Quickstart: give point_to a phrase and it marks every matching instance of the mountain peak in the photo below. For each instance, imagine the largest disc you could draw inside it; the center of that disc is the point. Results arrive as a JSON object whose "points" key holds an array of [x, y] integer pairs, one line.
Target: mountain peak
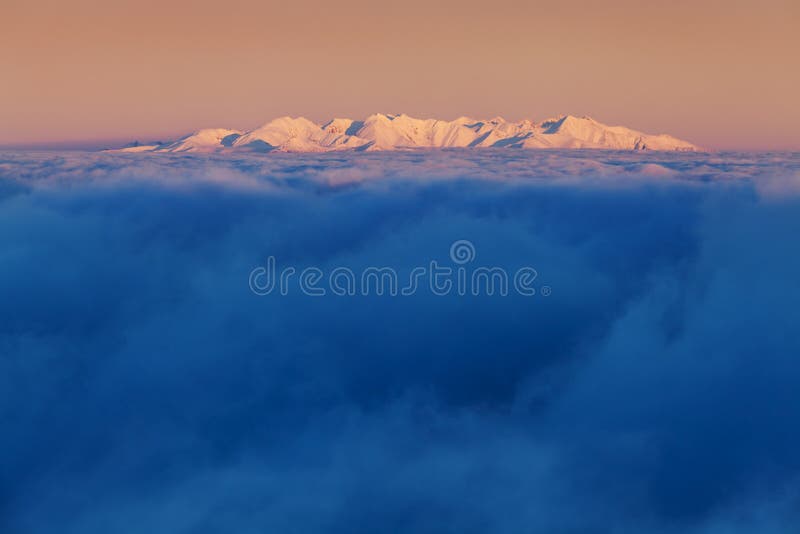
{"points": [[383, 131], [289, 121]]}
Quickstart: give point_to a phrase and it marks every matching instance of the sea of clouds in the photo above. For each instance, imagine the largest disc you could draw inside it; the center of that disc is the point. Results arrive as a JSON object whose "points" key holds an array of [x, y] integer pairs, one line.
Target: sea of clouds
{"points": [[145, 388]]}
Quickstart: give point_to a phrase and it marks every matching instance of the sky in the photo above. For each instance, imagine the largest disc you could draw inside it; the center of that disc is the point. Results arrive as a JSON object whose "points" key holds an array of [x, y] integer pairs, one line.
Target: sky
{"points": [[721, 74]]}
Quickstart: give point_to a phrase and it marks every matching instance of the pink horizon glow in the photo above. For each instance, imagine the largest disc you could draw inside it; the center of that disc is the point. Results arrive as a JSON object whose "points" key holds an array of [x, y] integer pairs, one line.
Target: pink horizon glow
{"points": [[720, 74]]}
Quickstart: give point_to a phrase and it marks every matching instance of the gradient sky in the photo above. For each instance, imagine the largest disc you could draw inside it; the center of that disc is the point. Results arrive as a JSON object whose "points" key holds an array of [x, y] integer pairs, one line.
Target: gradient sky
{"points": [[723, 74]]}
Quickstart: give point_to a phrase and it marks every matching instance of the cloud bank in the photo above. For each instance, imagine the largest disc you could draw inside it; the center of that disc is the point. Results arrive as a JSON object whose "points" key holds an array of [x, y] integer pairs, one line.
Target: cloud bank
{"points": [[144, 387]]}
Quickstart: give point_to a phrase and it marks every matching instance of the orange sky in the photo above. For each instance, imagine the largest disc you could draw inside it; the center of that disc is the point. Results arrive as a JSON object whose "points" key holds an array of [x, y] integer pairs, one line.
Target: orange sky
{"points": [[723, 74]]}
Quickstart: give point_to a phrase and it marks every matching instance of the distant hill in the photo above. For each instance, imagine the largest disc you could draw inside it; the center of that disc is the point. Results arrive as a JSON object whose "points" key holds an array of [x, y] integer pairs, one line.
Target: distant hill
{"points": [[398, 132]]}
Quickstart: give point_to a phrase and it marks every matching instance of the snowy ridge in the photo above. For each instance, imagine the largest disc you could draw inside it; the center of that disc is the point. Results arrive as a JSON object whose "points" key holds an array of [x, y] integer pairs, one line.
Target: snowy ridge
{"points": [[398, 132]]}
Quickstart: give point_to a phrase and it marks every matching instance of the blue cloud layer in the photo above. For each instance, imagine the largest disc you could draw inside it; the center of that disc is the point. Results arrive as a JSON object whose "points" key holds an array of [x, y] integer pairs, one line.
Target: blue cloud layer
{"points": [[143, 387]]}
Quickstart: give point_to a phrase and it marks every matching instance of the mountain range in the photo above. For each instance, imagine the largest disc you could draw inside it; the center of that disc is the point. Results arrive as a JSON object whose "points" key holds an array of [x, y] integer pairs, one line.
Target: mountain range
{"points": [[401, 132]]}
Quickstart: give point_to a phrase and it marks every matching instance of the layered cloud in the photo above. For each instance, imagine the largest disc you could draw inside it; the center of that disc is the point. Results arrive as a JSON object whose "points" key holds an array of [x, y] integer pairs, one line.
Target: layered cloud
{"points": [[144, 387]]}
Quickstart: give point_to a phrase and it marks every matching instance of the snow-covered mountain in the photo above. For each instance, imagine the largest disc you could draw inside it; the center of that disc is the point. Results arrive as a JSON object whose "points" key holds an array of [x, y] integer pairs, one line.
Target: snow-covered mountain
{"points": [[396, 132]]}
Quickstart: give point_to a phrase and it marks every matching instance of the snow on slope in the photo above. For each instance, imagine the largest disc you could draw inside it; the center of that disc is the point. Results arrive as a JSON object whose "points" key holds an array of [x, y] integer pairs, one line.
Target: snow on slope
{"points": [[394, 132], [203, 140]]}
